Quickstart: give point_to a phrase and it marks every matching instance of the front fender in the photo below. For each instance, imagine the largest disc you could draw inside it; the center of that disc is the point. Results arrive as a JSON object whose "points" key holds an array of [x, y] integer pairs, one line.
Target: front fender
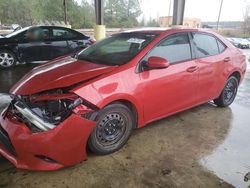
{"points": [[103, 95]]}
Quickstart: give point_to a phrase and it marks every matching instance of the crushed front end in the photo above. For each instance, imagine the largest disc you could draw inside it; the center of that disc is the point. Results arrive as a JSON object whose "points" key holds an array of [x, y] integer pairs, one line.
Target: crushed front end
{"points": [[46, 131]]}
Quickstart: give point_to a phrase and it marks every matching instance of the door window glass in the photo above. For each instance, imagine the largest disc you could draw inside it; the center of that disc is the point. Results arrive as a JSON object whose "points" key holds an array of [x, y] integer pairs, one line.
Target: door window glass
{"points": [[174, 48], [206, 45], [59, 33], [221, 46], [37, 34]]}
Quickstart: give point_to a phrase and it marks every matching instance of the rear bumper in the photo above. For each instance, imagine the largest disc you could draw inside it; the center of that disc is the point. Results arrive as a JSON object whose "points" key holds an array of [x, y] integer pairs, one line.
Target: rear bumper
{"points": [[60, 147]]}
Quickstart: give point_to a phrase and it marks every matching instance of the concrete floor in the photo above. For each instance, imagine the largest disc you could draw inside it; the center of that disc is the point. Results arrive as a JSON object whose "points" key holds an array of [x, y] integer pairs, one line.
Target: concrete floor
{"points": [[202, 147]]}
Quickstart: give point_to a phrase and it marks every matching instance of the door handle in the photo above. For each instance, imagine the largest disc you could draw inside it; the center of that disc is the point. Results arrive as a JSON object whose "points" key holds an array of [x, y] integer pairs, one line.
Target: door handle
{"points": [[227, 59], [78, 42], [192, 69]]}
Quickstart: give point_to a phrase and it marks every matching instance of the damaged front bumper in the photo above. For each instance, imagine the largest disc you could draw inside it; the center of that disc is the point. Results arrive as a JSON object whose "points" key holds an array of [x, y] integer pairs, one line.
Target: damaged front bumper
{"points": [[62, 146]]}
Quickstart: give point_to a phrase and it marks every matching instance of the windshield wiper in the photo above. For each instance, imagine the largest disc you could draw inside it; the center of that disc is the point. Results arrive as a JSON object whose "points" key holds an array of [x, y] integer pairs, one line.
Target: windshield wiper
{"points": [[94, 60], [75, 55], [85, 58]]}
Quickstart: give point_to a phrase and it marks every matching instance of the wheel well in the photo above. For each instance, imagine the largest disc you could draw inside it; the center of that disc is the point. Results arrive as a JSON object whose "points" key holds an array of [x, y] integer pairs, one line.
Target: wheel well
{"points": [[8, 50], [131, 106], [237, 75]]}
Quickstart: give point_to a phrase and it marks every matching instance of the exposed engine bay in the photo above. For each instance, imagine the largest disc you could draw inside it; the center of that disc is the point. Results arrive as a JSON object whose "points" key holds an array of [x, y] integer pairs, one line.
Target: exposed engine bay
{"points": [[54, 111], [44, 111]]}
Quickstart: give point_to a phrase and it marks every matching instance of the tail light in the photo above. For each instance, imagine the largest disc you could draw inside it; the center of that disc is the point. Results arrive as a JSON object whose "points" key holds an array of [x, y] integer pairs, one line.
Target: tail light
{"points": [[92, 40]]}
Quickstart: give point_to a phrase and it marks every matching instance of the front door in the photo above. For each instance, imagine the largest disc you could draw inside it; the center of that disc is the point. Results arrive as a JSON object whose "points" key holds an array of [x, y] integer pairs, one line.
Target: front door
{"points": [[60, 44], [36, 45], [169, 90]]}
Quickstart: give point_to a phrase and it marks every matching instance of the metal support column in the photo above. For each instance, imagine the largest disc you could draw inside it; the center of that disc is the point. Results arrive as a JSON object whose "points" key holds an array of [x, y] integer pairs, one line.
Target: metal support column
{"points": [[65, 12], [100, 31], [178, 14], [218, 21]]}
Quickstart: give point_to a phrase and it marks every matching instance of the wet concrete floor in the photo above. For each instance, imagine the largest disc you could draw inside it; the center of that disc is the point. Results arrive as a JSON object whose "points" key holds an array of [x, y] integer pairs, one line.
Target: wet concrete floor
{"points": [[206, 146]]}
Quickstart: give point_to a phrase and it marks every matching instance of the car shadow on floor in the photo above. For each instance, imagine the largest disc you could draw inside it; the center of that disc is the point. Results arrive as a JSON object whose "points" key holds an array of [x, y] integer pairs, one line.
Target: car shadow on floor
{"points": [[8, 77]]}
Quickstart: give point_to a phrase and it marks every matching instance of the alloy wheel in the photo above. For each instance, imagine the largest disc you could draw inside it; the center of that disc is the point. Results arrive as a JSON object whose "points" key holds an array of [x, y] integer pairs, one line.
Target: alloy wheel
{"points": [[6, 59]]}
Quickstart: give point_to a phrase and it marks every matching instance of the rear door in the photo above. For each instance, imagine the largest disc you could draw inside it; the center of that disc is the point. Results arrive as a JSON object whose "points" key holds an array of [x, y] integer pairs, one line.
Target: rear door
{"points": [[211, 59], [169, 90], [59, 42], [67, 41], [76, 41]]}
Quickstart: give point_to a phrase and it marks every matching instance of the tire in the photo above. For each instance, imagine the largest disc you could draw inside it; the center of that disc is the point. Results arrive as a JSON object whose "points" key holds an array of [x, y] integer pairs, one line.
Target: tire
{"points": [[113, 129], [229, 92], [7, 59]]}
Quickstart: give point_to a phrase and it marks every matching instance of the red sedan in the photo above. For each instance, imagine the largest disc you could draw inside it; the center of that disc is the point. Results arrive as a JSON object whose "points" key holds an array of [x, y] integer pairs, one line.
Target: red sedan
{"points": [[97, 97]]}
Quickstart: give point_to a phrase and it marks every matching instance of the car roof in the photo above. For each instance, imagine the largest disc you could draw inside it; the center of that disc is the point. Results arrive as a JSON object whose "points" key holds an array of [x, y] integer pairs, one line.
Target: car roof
{"points": [[155, 30], [52, 26], [160, 30]]}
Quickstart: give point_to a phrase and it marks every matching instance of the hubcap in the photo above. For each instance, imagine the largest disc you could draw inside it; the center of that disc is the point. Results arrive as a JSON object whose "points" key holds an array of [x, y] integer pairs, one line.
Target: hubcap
{"points": [[110, 129], [6, 59], [230, 91]]}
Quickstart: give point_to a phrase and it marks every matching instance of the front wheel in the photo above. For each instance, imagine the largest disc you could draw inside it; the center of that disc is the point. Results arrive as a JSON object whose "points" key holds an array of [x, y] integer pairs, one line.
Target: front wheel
{"points": [[228, 94], [7, 59], [114, 126]]}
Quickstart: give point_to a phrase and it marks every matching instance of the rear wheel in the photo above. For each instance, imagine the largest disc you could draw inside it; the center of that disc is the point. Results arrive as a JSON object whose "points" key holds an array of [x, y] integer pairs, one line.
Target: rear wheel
{"points": [[229, 92], [7, 59], [114, 126]]}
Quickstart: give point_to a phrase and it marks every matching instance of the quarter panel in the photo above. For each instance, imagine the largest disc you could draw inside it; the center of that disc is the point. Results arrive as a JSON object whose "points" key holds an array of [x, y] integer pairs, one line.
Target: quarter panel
{"points": [[236, 64]]}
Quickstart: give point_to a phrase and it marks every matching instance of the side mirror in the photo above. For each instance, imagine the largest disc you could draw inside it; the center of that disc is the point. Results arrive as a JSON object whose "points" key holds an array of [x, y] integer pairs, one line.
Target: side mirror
{"points": [[155, 62]]}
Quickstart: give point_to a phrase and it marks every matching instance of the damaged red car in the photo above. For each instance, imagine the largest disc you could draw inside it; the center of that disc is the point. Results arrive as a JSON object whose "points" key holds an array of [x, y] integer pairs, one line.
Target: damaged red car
{"points": [[96, 98]]}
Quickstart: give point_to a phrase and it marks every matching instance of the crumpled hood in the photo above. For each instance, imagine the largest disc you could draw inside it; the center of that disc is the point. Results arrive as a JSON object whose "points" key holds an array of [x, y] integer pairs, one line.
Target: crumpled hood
{"points": [[61, 72]]}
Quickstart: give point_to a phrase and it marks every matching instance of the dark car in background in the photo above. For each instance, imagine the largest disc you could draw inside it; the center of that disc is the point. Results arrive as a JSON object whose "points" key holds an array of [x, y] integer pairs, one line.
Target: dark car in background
{"points": [[40, 43]]}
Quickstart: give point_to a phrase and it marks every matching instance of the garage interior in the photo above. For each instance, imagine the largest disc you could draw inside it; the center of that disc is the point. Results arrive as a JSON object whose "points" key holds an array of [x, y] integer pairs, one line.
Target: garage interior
{"points": [[202, 147]]}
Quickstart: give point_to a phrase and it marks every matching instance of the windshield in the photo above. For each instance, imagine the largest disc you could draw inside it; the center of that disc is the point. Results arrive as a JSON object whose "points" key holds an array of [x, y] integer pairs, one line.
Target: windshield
{"points": [[116, 50], [17, 32]]}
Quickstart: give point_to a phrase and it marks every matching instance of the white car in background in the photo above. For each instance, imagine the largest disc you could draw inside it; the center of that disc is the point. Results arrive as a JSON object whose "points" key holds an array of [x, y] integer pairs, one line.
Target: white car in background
{"points": [[240, 42]]}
